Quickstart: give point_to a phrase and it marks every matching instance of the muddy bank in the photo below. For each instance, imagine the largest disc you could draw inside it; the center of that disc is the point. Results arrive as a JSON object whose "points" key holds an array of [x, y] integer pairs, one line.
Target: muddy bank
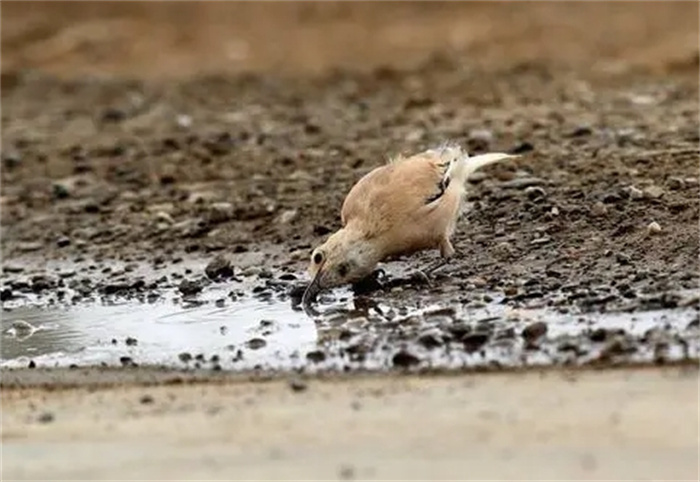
{"points": [[614, 425]]}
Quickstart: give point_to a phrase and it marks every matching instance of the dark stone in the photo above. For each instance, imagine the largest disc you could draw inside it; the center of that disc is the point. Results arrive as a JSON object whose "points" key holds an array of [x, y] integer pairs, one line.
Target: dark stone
{"points": [[405, 359], [219, 269]]}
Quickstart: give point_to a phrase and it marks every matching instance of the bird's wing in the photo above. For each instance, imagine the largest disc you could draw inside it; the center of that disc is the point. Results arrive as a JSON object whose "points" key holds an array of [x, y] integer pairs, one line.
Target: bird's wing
{"points": [[394, 193]]}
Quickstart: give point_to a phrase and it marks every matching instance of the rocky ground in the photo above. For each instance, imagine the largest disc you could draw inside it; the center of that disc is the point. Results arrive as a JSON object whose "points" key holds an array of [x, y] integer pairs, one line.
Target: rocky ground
{"points": [[122, 166]]}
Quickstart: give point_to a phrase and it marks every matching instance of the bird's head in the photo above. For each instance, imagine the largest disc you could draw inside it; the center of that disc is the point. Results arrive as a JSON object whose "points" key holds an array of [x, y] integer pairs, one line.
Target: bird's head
{"points": [[345, 257]]}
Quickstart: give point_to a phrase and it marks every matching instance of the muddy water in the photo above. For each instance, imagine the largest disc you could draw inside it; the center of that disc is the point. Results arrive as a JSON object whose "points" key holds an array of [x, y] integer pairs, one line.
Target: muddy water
{"points": [[400, 328]]}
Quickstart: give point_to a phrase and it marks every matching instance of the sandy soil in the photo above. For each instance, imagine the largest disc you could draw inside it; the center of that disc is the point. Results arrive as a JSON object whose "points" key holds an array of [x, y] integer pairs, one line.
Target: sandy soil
{"points": [[609, 425]]}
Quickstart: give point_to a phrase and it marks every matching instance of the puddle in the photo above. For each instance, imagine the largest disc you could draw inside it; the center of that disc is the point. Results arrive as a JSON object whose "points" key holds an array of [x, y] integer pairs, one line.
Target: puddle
{"points": [[156, 333], [245, 324], [248, 334]]}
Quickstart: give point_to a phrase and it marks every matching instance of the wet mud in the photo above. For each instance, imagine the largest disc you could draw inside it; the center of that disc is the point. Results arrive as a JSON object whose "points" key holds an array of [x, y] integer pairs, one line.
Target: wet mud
{"points": [[168, 221]]}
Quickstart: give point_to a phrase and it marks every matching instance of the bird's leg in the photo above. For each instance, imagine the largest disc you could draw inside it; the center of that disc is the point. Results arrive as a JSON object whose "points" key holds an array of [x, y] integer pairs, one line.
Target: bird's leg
{"points": [[446, 253]]}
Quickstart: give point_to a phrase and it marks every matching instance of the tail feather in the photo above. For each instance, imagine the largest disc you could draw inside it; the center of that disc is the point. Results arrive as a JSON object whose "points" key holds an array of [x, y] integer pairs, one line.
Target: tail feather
{"points": [[464, 166]]}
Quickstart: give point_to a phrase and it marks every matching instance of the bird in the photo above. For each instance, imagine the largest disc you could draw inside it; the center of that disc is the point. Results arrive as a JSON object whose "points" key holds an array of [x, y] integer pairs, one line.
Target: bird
{"points": [[407, 205]]}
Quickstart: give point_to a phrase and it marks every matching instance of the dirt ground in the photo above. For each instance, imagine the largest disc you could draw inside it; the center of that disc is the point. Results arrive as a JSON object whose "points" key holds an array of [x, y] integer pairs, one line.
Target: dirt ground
{"points": [[609, 425], [156, 133]]}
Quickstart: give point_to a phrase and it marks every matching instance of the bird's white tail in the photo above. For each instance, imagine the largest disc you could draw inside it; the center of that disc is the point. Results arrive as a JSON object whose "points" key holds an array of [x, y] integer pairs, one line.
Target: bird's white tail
{"points": [[463, 166]]}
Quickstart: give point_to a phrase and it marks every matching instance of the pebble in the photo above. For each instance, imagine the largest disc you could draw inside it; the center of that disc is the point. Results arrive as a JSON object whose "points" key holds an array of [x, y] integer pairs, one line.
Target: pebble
{"points": [[675, 183], [535, 192], [316, 356], [405, 359], [534, 331], [256, 343], [288, 216], [297, 385], [188, 288], [653, 192], [599, 209], [220, 212], [633, 192], [474, 341], [219, 268], [163, 217], [654, 228], [479, 140], [62, 242], [46, 417]]}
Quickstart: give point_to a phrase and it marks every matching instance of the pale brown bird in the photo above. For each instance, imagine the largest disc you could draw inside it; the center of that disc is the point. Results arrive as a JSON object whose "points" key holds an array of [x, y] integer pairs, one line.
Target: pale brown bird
{"points": [[409, 205]]}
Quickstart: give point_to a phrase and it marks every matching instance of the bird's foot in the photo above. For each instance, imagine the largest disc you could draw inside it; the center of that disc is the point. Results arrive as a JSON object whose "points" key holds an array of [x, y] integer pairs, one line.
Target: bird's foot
{"points": [[436, 266]]}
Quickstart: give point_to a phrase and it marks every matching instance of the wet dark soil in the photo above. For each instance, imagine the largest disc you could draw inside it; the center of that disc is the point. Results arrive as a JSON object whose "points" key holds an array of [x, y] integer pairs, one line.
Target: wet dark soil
{"points": [[123, 180]]}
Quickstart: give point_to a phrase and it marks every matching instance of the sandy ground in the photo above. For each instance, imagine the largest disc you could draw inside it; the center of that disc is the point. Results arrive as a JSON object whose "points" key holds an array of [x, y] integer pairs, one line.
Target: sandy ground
{"points": [[630, 424]]}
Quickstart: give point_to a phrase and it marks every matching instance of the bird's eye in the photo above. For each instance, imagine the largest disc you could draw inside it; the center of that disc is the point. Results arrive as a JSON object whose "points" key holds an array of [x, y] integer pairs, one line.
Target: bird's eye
{"points": [[343, 269], [318, 258]]}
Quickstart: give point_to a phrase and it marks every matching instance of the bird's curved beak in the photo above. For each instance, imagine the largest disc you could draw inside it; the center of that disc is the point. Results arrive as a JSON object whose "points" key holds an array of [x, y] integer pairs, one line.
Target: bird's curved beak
{"points": [[312, 290]]}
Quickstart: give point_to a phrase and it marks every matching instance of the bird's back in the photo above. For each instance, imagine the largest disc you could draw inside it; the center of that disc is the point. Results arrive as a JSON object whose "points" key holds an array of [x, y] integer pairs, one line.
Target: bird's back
{"points": [[394, 194]]}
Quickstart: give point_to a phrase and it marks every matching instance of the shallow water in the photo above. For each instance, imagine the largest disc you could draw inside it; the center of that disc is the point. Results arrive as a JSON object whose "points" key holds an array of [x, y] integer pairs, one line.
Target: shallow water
{"points": [[249, 333]]}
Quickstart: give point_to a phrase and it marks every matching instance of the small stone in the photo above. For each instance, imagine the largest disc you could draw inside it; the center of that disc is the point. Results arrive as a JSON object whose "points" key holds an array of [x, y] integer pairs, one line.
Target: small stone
{"points": [[297, 385], [288, 216], [534, 331], [46, 417], [654, 192], [146, 399], [29, 246], [256, 343], [479, 140], [131, 341], [598, 335], [633, 192], [676, 183], [112, 114], [127, 361], [32, 364], [522, 148], [219, 268], [62, 242], [599, 209], [189, 288], [220, 212], [535, 192], [474, 341], [11, 160], [21, 329], [316, 356], [60, 191], [581, 131], [503, 251], [654, 228], [163, 217], [404, 359], [184, 121]]}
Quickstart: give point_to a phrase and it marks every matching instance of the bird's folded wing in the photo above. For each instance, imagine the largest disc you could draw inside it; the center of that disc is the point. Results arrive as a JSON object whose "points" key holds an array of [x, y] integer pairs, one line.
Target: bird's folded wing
{"points": [[394, 193]]}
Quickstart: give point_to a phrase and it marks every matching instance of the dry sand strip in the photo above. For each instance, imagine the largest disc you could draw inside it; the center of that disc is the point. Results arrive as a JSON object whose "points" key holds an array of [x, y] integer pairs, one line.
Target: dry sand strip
{"points": [[621, 424]]}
